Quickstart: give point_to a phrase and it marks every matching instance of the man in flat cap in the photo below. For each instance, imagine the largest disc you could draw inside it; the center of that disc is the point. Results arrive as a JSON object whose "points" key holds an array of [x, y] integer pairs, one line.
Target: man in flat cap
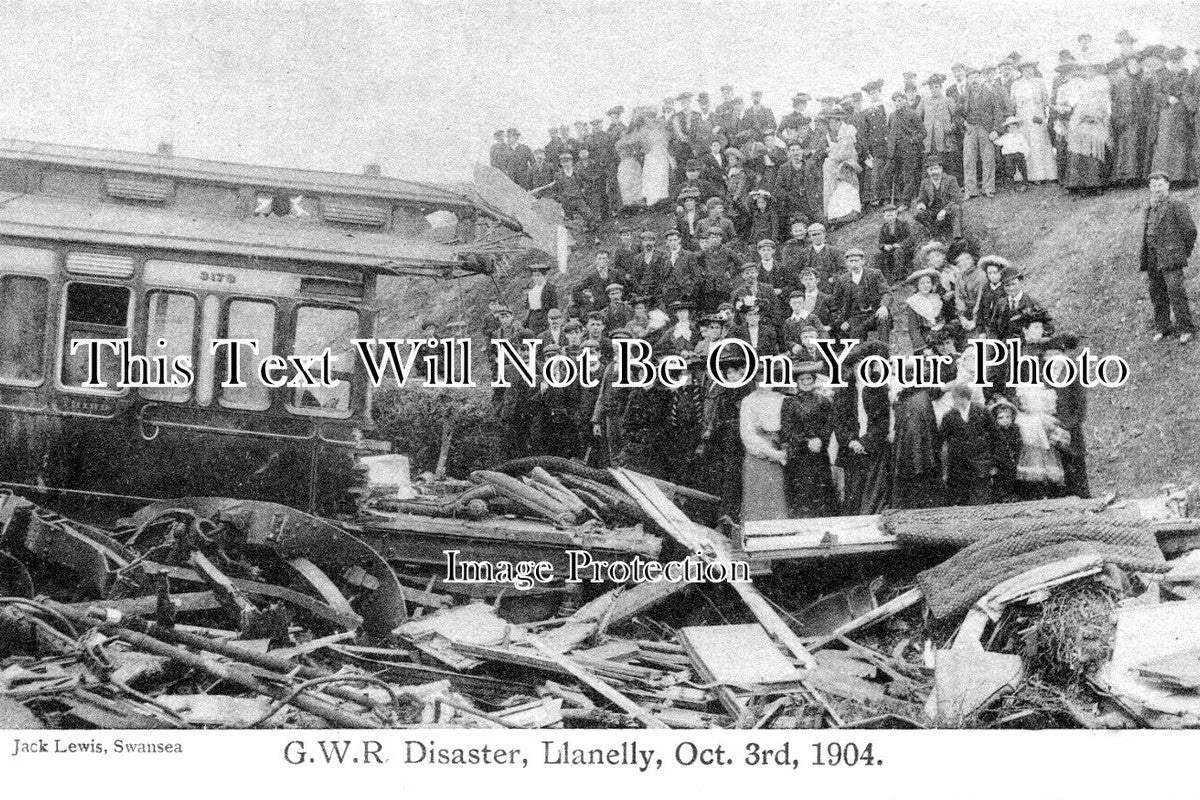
{"points": [[541, 174], [592, 173], [792, 182], [555, 147], [570, 192], [956, 93], [758, 116], [983, 115], [703, 125], [649, 269], [501, 156], [861, 300], [683, 127], [821, 257], [939, 203], [897, 242], [522, 157], [717, 266], [1168, 238], [681, 266], [906, 145], [872, 124], [730, 119], [516, 335], [726, 99], [799, 118]]}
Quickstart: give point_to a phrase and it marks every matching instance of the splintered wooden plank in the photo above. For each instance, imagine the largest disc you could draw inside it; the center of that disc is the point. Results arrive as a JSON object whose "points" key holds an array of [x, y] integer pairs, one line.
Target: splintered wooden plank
{"points": [[595, 684], [711, 546]]}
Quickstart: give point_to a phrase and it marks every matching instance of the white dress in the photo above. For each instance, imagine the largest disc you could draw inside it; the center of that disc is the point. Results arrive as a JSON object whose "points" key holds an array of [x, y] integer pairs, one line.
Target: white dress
{"points": [[629, 172], [1030, 100], [656, 166], [1039, 461]]}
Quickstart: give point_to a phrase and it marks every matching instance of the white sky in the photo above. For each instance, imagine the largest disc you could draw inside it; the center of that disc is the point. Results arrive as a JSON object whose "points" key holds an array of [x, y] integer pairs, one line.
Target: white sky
{"points": [[419, 86]]}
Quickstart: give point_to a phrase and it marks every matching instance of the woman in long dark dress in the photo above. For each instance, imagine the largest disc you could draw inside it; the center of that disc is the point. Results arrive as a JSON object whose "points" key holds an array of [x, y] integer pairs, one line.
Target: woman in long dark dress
{"points": [[806, 428], [917, 452], [1088, 95], [862, 416]]}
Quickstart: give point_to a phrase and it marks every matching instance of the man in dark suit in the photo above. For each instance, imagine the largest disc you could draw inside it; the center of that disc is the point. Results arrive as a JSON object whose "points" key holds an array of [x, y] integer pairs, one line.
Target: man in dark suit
{"points": [[873, 141], [758, 117], [717, 267], [897, 241], [681, 270], [541, 174], [799, 118], [906, 143], [625, 256], [1168, 237], [501, 155], [791, 184], [1016, 308], [771, 270], [1070, 409], [597, 283], [983, 117], [522, 157], [516, 335], [555, 332], [555, 147], [570, 192], [861, 296], [649, 271], [821, 257], [967, 429], [957, 94], [765, 298], [939, 203]]}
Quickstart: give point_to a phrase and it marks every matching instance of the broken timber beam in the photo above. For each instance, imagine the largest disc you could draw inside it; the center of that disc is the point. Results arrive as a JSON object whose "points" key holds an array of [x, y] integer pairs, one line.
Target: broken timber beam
{"points": [[711, 546], [595, 684]]}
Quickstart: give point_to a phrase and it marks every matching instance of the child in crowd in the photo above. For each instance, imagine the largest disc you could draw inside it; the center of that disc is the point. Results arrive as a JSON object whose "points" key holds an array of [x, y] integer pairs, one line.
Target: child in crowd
{"points": [[1006, 451], [1014, 147]]}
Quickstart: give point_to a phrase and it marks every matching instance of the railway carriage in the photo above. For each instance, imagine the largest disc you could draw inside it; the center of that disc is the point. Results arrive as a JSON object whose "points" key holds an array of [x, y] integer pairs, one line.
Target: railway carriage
{"points": [[172, 253]]}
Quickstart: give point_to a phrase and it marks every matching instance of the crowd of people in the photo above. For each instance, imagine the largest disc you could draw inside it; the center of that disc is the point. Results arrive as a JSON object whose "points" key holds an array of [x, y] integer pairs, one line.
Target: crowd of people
{"points": [[751, 256], [995, 126], [811, 449]]}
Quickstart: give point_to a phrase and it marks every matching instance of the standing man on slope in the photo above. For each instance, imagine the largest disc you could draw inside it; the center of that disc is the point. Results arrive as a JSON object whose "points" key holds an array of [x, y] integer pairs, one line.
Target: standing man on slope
{"points": [[1168, 236]]}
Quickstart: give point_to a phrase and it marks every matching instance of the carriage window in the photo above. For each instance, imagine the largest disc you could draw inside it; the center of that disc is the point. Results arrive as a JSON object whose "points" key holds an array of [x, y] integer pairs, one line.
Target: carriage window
{"points": [[249, 319], [316, 329], [94, 311], [170, 316], [22, 328]]}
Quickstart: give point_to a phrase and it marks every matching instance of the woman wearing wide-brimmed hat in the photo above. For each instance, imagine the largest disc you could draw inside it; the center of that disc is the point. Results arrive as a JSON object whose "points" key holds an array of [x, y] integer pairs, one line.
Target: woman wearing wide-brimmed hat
{"points": [[764, 216], [807, 425], [1087, 98], [1030, 102], [925, 309]]}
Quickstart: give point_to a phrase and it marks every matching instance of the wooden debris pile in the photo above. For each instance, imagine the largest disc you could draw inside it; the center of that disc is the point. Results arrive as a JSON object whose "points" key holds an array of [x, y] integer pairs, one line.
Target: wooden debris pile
{"points": [[217, 613]]}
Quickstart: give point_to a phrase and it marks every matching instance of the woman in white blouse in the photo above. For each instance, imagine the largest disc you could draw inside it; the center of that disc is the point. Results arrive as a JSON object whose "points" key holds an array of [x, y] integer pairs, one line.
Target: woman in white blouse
{"points": [[764, 492]]}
